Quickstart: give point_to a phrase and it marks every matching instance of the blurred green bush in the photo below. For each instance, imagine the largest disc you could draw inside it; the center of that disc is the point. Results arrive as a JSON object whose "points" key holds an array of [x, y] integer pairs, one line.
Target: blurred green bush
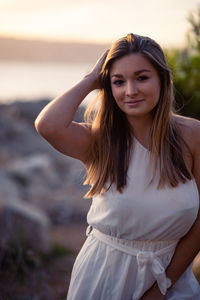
{"points": [[185, 66]]}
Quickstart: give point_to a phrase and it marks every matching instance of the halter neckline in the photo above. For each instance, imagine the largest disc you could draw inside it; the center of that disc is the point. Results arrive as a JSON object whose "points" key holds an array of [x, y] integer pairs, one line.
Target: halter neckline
{"points": [[141, 146]]}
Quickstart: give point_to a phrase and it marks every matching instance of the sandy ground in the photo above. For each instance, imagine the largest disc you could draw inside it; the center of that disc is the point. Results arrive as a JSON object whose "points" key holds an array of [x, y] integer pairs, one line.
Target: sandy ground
{"points": [[71, 236]]}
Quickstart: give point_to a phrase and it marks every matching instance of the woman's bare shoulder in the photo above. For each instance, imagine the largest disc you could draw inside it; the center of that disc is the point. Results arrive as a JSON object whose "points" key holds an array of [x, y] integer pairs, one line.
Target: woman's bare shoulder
{"points": [[190, 130]]}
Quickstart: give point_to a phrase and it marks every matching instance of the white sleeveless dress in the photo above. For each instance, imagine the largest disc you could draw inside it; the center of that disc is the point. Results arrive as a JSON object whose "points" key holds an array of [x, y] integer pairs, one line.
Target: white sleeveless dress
{"points": [[132, 238]]}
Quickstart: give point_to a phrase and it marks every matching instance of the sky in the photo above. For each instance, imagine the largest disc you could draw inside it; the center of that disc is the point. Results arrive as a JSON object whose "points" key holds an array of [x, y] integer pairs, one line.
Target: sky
{"points": [[101, 21]]}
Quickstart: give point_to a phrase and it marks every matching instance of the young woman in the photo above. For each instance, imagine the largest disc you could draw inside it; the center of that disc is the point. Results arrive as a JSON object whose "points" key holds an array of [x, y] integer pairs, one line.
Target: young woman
{"points": [[143, 165]]}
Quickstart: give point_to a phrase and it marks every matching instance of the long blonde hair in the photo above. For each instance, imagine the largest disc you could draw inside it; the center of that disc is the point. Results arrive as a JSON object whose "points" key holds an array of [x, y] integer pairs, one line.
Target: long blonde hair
{"points": [[111, 135]]}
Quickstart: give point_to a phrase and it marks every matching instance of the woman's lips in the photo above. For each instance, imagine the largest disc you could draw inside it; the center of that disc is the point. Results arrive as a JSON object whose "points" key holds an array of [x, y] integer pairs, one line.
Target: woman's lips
{"points": [[134, 101]]}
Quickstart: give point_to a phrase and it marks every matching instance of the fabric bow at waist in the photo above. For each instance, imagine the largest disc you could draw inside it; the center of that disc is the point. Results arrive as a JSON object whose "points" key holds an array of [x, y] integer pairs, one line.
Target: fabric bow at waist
{"points": [[145, 259]]}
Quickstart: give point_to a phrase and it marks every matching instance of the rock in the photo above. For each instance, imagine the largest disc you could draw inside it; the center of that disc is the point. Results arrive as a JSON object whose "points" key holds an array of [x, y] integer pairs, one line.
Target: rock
{"points": [[24, 224], [8, 189], [18, 136], [34, 176], [59, 212], [53, 185], [28, 111], [21, 222], [32, 165], [21, 110]]}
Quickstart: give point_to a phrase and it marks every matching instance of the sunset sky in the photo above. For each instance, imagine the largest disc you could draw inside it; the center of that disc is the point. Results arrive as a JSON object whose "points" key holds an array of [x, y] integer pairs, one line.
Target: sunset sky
{"points": [[97, 20]]}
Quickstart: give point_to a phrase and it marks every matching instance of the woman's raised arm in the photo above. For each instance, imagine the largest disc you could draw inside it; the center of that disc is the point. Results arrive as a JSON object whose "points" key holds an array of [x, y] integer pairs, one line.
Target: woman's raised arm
{"points": [[55, 122]]}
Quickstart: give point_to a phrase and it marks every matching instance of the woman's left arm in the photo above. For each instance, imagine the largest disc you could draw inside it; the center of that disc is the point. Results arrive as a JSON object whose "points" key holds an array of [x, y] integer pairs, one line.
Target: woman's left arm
{"points": [[189, 245]]}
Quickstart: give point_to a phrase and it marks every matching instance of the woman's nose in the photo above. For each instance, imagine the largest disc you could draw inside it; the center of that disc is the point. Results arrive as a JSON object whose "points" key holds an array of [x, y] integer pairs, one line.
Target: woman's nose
{"points": [[131, 89]]}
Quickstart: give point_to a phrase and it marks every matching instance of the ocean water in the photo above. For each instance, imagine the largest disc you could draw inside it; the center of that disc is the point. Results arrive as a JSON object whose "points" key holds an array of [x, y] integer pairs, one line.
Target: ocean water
{"points": [[27, 81]]}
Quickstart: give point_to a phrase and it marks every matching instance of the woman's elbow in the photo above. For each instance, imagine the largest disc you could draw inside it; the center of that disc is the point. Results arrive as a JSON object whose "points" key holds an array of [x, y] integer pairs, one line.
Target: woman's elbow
{"points": [[43, 127]]}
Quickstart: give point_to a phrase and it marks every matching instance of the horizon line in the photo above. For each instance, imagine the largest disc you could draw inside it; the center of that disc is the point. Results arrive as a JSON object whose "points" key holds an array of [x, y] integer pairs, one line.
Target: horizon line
{"points": [[53, 39]]}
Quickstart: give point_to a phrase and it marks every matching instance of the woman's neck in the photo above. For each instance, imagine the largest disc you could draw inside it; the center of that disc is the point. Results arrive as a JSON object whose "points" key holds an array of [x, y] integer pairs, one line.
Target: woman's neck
{"points": [[141, 129]]}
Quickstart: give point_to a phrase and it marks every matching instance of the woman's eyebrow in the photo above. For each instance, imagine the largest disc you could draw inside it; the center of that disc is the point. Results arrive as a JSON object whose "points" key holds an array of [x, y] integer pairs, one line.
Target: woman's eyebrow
{"points": [[136, 73], [141, 71]]}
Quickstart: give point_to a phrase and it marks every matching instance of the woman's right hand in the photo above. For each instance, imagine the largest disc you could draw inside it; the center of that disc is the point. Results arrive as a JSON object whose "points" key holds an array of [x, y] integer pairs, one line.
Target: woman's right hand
{"points": [[96, 70]]}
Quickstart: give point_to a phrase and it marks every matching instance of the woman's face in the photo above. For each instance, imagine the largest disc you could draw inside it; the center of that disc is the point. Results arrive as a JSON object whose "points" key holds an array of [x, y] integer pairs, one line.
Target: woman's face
{"points": [[135, 85]]}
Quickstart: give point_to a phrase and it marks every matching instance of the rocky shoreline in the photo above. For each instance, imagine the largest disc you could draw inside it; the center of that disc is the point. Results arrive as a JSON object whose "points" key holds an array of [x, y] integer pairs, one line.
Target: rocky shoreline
{"points": [[35, 179], [41, 191]]}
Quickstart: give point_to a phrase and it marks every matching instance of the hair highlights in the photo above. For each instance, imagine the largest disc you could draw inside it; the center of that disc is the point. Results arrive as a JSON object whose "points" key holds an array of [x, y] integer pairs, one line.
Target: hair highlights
{"points": [[111, 135]]}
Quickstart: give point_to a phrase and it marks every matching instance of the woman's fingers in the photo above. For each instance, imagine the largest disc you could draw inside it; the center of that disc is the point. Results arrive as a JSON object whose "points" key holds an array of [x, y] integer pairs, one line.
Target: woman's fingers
{"points": [[102, 59], [99, 64], [96, 70]]}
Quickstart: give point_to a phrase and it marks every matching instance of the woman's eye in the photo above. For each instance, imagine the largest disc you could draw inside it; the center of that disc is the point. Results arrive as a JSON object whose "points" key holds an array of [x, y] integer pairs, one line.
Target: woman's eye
{"points": [[142, 78], [118, 82]]}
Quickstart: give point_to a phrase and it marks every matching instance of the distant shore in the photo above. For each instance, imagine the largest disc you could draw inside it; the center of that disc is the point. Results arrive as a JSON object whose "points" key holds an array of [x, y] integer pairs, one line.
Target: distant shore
{"points": [[13, 49]]}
